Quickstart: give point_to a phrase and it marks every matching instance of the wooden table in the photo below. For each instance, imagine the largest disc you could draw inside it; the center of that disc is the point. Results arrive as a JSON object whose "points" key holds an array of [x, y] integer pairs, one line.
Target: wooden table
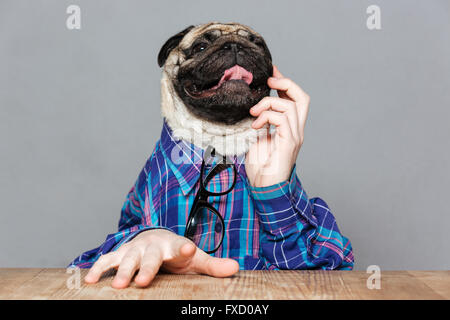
{"points": [[260, 285]]}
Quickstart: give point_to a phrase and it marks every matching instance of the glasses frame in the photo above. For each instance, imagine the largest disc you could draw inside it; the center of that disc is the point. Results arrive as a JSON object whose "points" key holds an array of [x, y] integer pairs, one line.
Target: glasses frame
{"points": [[201, 198]]}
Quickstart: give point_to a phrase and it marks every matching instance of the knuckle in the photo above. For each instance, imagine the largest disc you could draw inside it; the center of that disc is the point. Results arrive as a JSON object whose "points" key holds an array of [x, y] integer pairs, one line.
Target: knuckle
{"points": [[307, 98], [152, 241], [152, 250], [126, 246], [137, 244], [295, 139], [267, 99], [292, 147], [136, 251], [127, 265], [102, 259], [292, 104], [129, 259], [150, 265], [149, 247], [123, 248]]}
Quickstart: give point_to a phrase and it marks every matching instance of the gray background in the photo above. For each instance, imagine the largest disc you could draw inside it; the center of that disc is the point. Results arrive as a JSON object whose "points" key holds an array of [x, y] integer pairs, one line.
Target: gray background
{"points": [[79, 115]]}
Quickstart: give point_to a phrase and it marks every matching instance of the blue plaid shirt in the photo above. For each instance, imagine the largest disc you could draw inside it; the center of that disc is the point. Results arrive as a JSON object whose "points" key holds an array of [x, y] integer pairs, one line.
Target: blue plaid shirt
{"points": [[274, 227]]}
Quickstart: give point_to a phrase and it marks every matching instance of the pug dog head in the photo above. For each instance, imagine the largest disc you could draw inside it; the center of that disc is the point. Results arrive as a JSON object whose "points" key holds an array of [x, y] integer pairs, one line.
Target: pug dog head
{"points": [[212, 75]]}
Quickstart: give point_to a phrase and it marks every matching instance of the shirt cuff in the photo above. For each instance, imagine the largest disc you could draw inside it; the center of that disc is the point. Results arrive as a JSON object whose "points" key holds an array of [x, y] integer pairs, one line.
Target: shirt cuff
{"points": [[134, 233], [273, 204]]}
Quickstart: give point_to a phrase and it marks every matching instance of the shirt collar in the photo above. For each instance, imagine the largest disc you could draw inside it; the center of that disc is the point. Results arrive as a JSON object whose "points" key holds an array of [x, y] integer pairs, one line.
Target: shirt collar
{"points": [[185, 159]]}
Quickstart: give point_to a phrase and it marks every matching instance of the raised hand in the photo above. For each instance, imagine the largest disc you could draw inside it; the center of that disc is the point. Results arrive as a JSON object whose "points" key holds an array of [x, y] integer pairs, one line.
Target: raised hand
{"points": [[270, 160]]}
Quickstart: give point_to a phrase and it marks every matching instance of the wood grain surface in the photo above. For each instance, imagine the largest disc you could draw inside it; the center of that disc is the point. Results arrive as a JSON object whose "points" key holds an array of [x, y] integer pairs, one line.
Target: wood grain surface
{"points": [[261, 285]]}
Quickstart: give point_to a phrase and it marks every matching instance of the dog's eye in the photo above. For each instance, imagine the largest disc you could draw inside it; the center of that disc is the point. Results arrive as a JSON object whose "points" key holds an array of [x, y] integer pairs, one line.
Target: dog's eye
{"points": [[199, 47], [256, 40], [259, 43]]}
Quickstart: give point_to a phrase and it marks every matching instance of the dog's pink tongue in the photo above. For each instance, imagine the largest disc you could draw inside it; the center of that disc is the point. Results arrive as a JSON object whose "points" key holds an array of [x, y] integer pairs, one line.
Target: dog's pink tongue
{"points": [[236, 73]]}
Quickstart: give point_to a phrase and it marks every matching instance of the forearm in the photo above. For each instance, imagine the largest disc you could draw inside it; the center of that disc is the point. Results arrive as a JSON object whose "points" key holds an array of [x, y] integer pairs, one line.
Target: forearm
{"points": [[297, 232]]}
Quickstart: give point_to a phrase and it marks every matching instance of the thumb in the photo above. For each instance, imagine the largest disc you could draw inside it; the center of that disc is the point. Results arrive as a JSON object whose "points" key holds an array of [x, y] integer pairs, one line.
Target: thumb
{"points": [[187, 250], [182, 249], [216, 267]]}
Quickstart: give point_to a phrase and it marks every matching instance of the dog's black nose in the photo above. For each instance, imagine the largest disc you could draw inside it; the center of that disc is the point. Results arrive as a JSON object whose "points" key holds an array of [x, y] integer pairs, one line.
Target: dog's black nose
{"points": [[232, 46]]}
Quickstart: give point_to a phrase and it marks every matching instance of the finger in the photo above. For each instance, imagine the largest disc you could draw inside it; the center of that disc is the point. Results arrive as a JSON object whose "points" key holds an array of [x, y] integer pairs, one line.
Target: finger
{"points": [[277, 119], [277, 73], [150, 265], [187, 250], [127, 268], [280, 105], [216, 267], [303, 114], [103, 264], [293, 91], [289, 87], [274, 103]]}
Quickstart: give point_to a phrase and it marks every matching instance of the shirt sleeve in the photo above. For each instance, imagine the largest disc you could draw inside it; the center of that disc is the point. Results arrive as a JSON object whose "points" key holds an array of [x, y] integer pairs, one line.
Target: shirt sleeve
{"points": [[132, 221], [297, 232]]}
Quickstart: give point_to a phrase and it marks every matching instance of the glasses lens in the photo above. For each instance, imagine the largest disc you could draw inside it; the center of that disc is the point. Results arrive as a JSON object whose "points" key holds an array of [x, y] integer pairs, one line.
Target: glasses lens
{"points": [[206, 229], [218, 178]]}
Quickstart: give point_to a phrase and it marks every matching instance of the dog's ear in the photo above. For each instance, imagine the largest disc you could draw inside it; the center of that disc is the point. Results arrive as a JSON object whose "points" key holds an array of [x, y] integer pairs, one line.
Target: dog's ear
{"points": [[170, 45]]}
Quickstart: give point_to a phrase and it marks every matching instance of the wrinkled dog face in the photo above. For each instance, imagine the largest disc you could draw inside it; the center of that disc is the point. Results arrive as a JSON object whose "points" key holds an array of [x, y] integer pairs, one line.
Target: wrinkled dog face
{"points": [[221, 70]]}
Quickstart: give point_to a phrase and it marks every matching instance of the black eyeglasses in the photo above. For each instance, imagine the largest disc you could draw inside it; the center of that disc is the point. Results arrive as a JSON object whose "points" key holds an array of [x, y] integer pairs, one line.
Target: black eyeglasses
{"points": [[205, 226]]}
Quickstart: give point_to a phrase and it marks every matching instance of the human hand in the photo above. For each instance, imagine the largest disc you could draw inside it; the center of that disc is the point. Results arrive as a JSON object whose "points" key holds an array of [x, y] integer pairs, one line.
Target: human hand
{"points": [[270, 160], [154, 249]]}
